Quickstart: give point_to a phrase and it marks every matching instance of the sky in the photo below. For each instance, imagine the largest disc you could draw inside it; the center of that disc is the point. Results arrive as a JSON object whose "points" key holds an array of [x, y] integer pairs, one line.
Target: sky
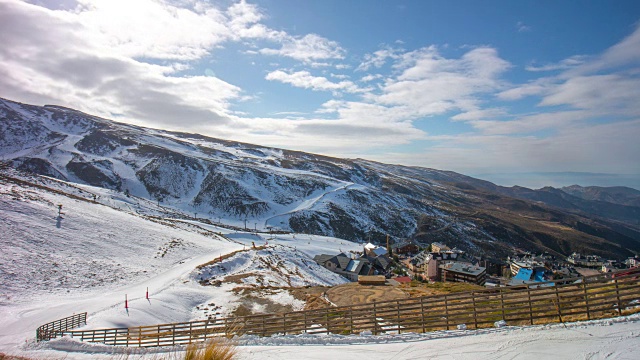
{"points": [[506, 90]]}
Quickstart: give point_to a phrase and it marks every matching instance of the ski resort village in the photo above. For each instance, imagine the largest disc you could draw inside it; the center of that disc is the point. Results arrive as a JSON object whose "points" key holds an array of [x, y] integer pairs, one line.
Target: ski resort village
{"points": [[319, 179]]}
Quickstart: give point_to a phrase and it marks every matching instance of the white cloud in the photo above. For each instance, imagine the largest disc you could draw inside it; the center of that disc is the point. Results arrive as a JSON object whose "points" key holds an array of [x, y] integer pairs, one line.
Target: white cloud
{"points": [[626, 53], [536, 87], [370, 77], [308, 48], [480, 114], [304, 79], [611, 93], [339, 76], [431, 84], [150, 29], [47, 57], [378, 58], [565, 64], [522, 27], [611, 146]]}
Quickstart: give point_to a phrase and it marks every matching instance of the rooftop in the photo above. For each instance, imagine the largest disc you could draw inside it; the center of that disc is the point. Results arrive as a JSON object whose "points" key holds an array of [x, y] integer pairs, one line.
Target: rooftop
{"points": [[464, 268]]}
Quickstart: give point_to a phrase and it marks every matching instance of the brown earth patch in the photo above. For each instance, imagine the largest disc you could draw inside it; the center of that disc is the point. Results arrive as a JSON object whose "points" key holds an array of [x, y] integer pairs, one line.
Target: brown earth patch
{"points": [[313, 296], [418, 289], [354, 294]]}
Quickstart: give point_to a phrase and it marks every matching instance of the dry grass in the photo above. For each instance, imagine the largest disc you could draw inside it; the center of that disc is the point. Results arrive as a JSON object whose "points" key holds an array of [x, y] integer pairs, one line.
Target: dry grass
{"points": [[9, 357], [356, 294], [417, 289], [212, 350]]}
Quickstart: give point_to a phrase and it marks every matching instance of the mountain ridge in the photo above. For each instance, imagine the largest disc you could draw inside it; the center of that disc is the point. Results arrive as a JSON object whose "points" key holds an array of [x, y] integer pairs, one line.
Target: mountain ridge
{"points": [[250, 185]]}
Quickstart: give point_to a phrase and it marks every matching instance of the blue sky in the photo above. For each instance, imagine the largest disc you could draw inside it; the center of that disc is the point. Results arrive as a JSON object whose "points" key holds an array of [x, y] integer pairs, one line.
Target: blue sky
{"points": [[491, 87]]}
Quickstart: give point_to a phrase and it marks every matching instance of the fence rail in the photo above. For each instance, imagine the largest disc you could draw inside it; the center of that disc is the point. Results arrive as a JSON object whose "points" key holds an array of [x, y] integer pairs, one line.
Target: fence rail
{"points": [[585, 298], [55, 328]]}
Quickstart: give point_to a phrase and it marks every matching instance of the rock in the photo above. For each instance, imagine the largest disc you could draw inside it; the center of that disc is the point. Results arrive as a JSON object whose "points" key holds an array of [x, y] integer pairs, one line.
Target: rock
{"points": [[500, 324]]}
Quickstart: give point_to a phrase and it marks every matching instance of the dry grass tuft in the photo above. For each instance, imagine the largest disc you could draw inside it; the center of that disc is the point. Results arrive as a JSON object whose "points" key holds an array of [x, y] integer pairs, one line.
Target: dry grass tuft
{"points": [[215, 349], [9, 357]]}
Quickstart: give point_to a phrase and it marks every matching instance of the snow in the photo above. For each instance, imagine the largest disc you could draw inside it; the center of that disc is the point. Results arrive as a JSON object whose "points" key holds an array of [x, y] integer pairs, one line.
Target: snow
{"points": [[96, 252], [616, 338]]}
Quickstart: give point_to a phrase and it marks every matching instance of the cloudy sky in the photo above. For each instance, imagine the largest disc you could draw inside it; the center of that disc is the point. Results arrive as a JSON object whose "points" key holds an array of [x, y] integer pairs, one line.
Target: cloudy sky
{"points": [[507, 89]]}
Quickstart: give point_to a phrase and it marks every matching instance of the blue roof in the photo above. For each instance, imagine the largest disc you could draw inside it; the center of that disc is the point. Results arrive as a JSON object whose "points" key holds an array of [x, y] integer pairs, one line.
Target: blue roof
{"points": [[524, 274], [539, 275]]}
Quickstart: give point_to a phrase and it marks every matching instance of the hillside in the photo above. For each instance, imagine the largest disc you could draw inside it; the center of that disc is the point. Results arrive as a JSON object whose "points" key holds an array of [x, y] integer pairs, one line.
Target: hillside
{"points": [[97, 251], [249, 186], [616, 195]]}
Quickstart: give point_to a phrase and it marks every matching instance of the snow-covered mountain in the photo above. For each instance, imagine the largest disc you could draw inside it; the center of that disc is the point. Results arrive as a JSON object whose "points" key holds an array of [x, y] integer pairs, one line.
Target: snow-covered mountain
{"points": [[250, 186], [100, 249]]}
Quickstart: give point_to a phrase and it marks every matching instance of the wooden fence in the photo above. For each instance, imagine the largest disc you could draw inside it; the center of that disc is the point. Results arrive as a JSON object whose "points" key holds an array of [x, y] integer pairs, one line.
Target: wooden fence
{"points": [[54, 328], [584, 298]]}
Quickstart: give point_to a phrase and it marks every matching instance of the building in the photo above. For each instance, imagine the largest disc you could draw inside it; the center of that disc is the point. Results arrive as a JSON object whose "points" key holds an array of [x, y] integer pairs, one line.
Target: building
{"points": [[374, 250], [334, 263], [405, 247], [632, 262], [590, 261], [439, 247], [428, 265], [345, 266], [352, 268], [611, 265], [463, 272], [529, 276], [526, 261], [372, 280]]}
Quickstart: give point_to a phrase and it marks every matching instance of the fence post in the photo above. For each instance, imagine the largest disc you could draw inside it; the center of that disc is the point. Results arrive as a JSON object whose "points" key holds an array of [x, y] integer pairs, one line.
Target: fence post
{"points": [[530, 305], [284, 323], [173, 334], [326, 318], [351, 318], [475, 314], [618, 297], [502, 304], [375, 320], [306, 327], [446, 312], [424, 329], [586, 298], [398, 315], [558, 305]]}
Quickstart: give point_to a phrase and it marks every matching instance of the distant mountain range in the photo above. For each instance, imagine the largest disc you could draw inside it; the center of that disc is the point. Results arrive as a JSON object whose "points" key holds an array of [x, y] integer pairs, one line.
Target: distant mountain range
{"points": [[266, 188]]}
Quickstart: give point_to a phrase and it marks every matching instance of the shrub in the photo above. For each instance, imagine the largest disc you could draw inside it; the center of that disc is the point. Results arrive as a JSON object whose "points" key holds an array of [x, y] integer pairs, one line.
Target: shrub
{"points": [[214, 349]]}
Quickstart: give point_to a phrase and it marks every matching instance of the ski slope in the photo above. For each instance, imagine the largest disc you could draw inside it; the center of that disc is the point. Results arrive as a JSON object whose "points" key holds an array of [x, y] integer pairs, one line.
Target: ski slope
{"points": [[92, 255]]}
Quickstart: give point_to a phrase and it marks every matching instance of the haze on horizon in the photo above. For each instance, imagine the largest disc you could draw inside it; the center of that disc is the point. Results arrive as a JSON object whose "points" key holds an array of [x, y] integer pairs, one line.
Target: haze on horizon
{"points": [[532, 92]]}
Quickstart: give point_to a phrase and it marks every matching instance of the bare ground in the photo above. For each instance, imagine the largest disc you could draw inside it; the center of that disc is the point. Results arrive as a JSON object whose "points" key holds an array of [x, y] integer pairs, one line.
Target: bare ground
{"points": [[354, 294]]}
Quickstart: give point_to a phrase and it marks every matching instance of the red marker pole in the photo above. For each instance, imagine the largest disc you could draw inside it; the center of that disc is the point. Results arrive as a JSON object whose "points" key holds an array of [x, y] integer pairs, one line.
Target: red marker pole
{"points": [[147, 295], [126, 302]]}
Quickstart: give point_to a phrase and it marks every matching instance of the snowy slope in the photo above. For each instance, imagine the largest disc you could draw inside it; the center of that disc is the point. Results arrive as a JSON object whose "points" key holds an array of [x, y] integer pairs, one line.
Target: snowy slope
{"points": [[217, 179], [88, 258], [189, 175], [106, 244]]}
